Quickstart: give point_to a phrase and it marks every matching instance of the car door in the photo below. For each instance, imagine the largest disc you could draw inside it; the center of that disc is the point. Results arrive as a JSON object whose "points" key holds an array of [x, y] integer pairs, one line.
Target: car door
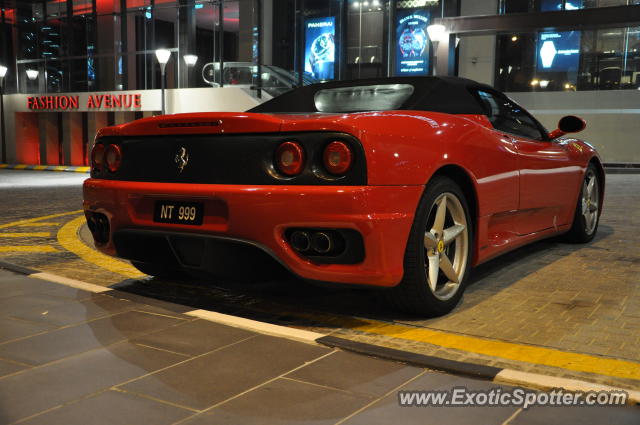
{"points": [[546, 174]]}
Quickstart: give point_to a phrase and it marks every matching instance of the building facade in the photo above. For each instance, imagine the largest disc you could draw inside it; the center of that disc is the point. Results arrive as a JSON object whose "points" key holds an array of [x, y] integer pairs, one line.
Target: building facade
{"points": [[77, 65]]}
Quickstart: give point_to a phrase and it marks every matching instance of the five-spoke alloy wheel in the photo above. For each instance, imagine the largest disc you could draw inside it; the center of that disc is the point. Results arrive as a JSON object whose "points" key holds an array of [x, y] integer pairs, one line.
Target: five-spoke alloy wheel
{"points": [[446, 246], [587, 215], [438, 253]]}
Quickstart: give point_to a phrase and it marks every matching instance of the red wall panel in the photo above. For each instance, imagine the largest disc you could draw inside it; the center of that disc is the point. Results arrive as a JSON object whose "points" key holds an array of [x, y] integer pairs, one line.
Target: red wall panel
{"points": [[27, 138], [75, 132]]}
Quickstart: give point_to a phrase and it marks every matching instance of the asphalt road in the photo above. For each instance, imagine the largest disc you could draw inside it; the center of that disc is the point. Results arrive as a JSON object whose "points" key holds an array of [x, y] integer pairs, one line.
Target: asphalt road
{"points": [[28, 194]]}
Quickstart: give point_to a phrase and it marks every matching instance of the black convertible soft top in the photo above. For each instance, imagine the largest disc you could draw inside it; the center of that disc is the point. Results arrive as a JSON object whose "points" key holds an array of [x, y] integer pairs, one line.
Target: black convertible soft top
{"points": [[449, 95]]}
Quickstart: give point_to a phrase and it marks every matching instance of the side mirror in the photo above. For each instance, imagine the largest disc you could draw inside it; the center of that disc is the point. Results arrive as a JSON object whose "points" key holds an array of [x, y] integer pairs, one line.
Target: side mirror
{"points": [[568, 124]]}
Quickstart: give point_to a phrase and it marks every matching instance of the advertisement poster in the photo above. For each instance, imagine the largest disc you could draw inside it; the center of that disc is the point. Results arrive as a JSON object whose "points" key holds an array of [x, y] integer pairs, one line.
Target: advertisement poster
{"points": [[412, 42], [559, 51], [320, 47]]}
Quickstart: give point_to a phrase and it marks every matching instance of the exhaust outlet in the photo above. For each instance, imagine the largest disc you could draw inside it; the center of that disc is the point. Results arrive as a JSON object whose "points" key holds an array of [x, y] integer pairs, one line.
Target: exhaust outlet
{"points": [[300, 241], [99, 226], [321, 243]]}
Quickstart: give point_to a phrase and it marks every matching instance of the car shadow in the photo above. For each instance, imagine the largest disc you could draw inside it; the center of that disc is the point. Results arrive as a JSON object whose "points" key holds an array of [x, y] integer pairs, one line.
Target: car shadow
{"points": [[292, 301]]}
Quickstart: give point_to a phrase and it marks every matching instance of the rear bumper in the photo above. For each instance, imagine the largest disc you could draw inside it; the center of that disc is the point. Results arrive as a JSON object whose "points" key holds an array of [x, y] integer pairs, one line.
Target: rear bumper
{"points": [[260, 216]]}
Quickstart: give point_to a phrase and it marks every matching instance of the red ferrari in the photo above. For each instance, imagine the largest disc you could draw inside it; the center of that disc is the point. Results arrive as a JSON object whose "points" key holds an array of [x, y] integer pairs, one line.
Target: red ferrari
{"points": [[404, 183]]}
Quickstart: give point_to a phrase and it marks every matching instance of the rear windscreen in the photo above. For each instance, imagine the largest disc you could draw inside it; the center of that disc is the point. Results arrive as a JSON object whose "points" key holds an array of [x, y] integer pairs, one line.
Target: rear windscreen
{"points": [[438, 94], [380, 97]]}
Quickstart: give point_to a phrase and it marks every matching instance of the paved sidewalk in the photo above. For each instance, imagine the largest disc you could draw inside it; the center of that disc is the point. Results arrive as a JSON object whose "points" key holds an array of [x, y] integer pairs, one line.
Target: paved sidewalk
{"points": [[73, 357]]}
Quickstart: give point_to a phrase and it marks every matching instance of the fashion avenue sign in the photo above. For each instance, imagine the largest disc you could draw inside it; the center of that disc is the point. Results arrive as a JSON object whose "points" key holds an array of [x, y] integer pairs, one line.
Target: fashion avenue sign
{"points": [[129, 101]]}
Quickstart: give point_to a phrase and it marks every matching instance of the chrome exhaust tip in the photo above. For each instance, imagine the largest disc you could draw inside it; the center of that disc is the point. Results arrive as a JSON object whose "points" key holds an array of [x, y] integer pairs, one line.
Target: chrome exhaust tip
{"points": [[300, 241], [321, 243]]}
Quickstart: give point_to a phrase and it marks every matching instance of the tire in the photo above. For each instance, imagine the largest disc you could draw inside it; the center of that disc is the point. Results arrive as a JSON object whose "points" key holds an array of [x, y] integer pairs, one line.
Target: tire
{"points": [[414, 294], [587, 214], [159, 270]]}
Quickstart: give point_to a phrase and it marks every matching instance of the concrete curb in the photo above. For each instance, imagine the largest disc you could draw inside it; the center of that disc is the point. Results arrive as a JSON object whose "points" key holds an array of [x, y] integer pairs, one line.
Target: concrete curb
{"points": [[69, 168], [494, 374]]}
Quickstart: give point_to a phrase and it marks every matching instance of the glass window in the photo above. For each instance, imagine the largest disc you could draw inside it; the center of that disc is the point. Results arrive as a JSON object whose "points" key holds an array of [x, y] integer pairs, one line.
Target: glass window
{"points": [[508, 117], [605, 3], [204, 45], [366, 35], [523, 6], [516, 6], [381, 97], [602, 59]]}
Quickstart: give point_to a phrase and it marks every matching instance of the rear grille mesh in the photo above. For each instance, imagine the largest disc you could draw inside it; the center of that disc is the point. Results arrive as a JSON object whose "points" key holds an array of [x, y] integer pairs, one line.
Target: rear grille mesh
{"points": [[244, 159]]}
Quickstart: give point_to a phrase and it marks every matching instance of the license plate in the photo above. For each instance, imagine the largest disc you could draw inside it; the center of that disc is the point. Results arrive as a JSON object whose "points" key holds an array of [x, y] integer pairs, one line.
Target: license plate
{"points": [[178, 212]]}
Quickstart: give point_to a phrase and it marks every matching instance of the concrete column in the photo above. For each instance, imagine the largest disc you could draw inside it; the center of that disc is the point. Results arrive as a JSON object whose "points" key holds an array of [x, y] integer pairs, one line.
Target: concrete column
{"points": [[445, 57], [267, 32], [245, 35], [187, 39], [477, 58], [477, 53]]}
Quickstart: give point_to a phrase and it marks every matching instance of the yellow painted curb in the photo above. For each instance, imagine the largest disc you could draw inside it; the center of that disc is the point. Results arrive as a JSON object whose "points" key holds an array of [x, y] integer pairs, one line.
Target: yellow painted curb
{"points": [[512, 351], [68, 238]]}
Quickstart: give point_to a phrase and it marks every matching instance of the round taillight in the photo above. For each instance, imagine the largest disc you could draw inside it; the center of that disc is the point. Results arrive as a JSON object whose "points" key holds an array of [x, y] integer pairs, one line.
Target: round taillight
{"points": [[337, 158], [290, 158], [113, 158], [97, 155]]}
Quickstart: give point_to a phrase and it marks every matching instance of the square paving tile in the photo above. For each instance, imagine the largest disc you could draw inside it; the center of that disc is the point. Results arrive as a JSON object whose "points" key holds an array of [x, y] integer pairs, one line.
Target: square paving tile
{"points": [[583, 415], [194, 338], [356, 373], [36, 390], [283, 402], [33, 302], [93, 307], [112, 408], [214, 377], [16, 285], [388, 410], [64, 342], [12, 285], [7, 368], [15, 328]]}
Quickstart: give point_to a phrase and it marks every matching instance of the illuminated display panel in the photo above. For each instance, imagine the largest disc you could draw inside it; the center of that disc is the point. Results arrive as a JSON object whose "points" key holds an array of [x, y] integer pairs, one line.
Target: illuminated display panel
{"points": [[558, 51], [412, 42], [320, 47], [556, 5]]}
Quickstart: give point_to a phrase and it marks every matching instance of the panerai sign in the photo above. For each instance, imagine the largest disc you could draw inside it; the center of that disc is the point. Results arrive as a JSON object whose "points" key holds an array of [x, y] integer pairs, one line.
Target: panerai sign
{"points": [[92, 101]]}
